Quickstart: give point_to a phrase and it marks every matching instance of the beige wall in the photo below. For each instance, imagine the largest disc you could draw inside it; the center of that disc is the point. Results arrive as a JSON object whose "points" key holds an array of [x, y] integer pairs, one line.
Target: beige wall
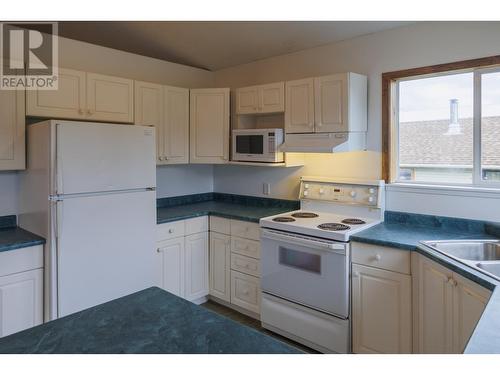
{"points": [[92, 58], [415, 45]]}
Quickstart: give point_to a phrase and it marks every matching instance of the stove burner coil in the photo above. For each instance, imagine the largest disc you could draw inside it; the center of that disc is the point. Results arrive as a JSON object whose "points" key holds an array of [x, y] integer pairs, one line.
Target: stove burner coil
{"points": [[305, 215], [353, 221], [284, 219], [333, 226]]}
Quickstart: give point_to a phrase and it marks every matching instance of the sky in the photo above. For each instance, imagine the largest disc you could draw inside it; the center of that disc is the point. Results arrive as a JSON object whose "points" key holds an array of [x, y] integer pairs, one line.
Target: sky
{"points": [[429, 98]]}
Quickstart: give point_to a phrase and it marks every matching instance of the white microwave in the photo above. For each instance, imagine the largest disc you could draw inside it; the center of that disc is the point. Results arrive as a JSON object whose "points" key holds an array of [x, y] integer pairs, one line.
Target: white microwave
{"points": [[259, 145]]}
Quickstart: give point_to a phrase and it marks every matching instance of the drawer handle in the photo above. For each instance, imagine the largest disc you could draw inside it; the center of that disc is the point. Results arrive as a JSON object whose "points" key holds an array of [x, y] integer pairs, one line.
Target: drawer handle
{"points": [[377, 257]]}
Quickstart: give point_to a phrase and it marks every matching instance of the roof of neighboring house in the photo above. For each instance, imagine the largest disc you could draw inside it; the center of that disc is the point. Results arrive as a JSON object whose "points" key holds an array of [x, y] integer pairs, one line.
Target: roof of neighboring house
{"points": [[426, 142]]}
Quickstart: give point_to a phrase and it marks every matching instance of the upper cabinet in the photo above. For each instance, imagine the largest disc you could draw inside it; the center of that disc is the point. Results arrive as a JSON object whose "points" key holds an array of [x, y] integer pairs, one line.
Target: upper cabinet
{"points": [[68, 101], [84, 96], [12, 130], [299, 114], [175, 130], [167, 109], [209, 126], [110, 98], [268, 98], [331, 104]]}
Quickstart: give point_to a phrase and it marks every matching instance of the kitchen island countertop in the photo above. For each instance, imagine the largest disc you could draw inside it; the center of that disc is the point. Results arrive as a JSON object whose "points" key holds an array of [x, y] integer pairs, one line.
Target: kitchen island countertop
{"points": [[150, 321]]}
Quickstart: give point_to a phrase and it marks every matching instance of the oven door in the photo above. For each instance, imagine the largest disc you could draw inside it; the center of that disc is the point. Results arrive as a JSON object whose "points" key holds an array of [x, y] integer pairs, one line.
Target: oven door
{"points": [[312, 272]]}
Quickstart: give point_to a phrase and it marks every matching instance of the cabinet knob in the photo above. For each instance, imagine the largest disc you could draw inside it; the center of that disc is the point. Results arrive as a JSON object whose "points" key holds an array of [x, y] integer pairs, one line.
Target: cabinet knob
{"points": [[89, 112], [355, 274], [170, 231], [158, 250], [377, 257], [452, 281], [245, 291], [80, 111]]}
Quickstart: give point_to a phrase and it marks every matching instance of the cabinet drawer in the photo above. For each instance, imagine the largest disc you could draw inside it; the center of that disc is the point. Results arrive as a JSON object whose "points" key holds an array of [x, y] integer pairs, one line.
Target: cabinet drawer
{"points": [[245, 229], [196, 225], [245, 291], [248, 248], [244, 264], [381, 257], [220, 225], [21, 260], [170, 230]]}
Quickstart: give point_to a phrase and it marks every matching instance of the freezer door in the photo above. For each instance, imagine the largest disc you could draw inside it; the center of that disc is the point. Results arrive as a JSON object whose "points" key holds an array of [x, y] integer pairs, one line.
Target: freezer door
{"points": [[93, 157], [105, 248]]}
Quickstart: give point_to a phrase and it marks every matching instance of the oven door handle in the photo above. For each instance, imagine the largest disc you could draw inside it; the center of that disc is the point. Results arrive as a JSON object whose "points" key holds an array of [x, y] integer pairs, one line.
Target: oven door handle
{"points": [[334, 247]]}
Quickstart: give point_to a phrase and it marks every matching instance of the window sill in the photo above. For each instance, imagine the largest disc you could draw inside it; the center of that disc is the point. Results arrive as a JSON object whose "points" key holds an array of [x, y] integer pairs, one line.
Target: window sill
{"points": [[463, 191]]}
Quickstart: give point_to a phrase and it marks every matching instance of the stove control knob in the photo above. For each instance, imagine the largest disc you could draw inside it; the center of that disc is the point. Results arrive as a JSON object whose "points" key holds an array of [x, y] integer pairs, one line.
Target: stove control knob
{"points": [[371, 190], [371, 199], [352, 194]]}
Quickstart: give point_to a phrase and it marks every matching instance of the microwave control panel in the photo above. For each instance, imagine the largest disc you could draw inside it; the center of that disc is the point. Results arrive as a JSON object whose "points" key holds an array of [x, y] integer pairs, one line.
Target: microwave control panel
{"points": [[368, 195]]}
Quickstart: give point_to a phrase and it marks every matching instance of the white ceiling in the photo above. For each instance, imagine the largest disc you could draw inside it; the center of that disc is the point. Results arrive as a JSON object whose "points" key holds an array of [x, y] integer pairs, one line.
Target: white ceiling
{"points": [[217, 45]]}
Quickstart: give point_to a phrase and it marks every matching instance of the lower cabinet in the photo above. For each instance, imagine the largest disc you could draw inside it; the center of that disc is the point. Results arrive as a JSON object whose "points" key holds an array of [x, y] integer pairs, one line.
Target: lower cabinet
{"points": [[183, 258], [220, 271], [235, 264], [447, 307], [196, 266], [381, 311], [381, 300], [171, 265], [21, 289]]}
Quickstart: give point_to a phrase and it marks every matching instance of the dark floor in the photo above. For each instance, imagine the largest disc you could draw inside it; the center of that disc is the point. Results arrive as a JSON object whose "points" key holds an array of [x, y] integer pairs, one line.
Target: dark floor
{"points": [[252, 323]]}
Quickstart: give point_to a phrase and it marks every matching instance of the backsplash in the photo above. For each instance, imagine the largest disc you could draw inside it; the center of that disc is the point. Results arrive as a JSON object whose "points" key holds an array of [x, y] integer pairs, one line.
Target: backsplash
{"points": [[451, 224], [245, 200], [8, 221]]}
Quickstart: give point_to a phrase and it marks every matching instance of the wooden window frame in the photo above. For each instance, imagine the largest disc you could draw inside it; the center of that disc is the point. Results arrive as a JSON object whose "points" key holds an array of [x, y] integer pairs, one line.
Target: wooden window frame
{"points": [[388, 109]]}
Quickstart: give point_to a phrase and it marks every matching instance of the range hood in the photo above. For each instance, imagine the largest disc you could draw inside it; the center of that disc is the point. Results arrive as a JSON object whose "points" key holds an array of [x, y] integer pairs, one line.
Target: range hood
{"points": [[324, 142]]}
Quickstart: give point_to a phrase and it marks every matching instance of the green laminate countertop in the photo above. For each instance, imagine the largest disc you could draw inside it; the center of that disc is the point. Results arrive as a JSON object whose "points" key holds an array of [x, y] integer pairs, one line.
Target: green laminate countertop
{"points": [[150, 321]]}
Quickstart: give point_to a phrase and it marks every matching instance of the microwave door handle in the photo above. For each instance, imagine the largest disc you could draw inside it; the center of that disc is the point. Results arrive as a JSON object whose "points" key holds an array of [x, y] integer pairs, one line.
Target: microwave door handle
{"points": [[339, 248]]}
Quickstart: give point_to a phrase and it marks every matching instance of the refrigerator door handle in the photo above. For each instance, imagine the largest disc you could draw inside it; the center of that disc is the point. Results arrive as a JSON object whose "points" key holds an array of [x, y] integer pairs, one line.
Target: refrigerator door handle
{"points": [[58, 166]]}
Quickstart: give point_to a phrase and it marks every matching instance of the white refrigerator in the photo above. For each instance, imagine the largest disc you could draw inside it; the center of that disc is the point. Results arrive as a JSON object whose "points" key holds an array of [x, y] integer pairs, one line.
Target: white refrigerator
{"points": [[89, 189]]}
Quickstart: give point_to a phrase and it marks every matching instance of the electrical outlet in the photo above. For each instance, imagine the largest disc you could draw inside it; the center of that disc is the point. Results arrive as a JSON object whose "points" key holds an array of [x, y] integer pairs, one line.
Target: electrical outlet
{"points": [[266, 188]]}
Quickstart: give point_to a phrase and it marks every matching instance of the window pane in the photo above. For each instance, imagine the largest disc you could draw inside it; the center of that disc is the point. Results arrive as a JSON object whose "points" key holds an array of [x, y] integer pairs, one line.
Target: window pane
{"points": [[435, 129], [490, 126]]}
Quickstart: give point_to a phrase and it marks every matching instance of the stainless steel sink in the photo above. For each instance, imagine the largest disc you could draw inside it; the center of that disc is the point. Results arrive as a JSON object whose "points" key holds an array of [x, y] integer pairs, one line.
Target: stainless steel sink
{"points": [[482, 255]]}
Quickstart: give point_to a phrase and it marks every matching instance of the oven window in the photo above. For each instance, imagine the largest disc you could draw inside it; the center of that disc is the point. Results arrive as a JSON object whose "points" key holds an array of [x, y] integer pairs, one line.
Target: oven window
{"points": [[250, 144], [301, 260]]}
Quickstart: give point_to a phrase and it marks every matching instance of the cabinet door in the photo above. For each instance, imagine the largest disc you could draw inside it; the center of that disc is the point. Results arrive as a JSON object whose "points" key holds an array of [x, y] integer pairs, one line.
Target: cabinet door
{"points": [[272, 98], [209, 126], [220, 268], [149, 111], [196, 266], [67, 102], [299, 110], [171, 258], [247, 100], [245, 291], [110, 98], [469, 300], [331, 103], [175, 137], [434, 307], [381, 304], [21, 301], [12, 130]]}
